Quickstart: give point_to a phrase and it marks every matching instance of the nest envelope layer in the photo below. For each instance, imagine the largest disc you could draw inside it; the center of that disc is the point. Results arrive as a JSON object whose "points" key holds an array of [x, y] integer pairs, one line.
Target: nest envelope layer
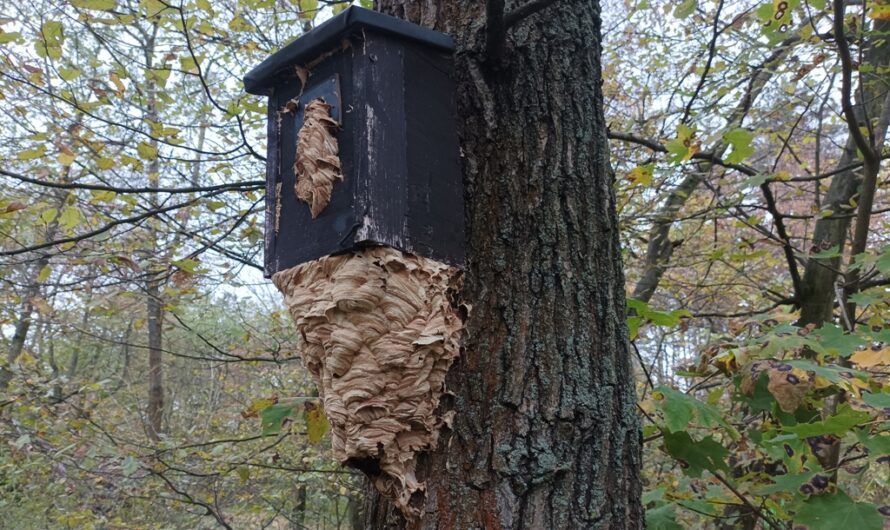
{"points": [[317, 164], [378, 332]]}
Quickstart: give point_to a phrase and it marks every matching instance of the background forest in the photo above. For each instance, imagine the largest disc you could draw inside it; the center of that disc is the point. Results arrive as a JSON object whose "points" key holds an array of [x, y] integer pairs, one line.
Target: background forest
{"points": [[149, 377]]}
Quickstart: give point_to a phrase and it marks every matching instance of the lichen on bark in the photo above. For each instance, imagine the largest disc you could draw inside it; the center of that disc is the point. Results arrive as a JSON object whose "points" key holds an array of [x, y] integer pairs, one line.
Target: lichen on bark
{"points": [[317, 164], [378, 330]]}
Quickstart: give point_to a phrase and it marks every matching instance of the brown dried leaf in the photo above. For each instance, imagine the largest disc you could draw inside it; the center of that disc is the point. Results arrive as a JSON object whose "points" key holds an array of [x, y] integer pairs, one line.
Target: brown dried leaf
{"points": [[787, 384], [871, 357], [14, 207]]}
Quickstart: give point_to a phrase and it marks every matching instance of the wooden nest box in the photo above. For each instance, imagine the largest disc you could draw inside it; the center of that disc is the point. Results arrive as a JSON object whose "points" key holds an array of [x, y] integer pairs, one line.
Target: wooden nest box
{"points": [[377, 158]]}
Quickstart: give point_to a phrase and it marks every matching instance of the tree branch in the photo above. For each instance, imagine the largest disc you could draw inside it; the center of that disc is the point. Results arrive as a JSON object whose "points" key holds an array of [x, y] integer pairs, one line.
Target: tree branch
{"points": [[526, 10], [127, 220], [783, 235], [843, 49], [495, 32], [712, 51], [233, 186], [745, 500]]}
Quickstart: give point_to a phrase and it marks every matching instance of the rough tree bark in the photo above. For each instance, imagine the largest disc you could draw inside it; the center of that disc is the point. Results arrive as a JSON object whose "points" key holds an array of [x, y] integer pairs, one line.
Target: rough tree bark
{"points": [[546, 433]]}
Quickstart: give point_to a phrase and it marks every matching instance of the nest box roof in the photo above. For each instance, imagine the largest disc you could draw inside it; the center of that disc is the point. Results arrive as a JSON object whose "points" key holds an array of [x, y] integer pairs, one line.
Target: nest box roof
{"points": [[328, 36]]}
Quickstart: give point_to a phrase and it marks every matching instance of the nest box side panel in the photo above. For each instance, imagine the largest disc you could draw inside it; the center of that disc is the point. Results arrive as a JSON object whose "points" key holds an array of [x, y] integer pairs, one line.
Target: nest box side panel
{"points": [[272, 168], [381, 139], [435, 196], [298, 237]]}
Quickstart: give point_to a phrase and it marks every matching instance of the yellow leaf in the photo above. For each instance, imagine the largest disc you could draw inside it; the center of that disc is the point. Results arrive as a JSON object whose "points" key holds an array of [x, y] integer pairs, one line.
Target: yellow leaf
{"points": [[25, 358], [694, 147], [870, 357], [66, 159], [316, 424], [879, 12], [118, 83], [641, 175], [147, 151], [31, 154], [44, 274]]}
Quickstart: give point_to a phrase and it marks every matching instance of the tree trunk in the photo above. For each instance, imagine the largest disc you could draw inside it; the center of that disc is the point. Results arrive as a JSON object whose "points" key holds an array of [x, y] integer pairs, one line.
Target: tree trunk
{"points": [[155, 409], [154, 302], [23, 324], [818, 284], [546, 433]]}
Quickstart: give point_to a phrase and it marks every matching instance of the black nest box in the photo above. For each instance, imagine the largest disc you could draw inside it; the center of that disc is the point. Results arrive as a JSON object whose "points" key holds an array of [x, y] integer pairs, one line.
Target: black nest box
{"points": [[389, 86]]}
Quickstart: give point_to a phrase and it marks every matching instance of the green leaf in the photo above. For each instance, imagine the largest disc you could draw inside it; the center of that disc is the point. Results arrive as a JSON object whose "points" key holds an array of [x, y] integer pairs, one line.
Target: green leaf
{"points": [[129, 466], [878, 445], [187, 265], [70, 218], [680, 408], [49, 215], [658, 318], [49, 43], [696, 457], [273, 417], [740, 140], [98, 5], [308, 9], [682, 148], [834, 341], [838, 511], [662, 518], [633, 326], [6, 37], [22, 441], [840, 423], [786, 483], [755, 181], [832, 372], [69, 74], [883, 261], [677, 411], [879, 400], [685, 8]]}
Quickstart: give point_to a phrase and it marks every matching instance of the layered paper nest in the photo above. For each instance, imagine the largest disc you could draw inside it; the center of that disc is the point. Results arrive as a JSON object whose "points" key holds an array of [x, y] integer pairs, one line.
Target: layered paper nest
{"points": [[317, 164], [378, 331]]}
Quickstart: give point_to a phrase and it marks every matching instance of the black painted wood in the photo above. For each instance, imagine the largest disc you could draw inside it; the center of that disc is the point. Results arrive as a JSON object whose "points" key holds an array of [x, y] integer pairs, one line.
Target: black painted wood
{"points": [[398, 151]]}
